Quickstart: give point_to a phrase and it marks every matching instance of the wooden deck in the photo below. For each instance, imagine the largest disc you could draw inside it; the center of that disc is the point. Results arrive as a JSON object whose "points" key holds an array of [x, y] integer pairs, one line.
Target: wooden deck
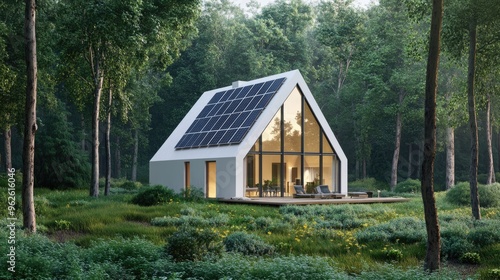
{"points": [[280, 201]]}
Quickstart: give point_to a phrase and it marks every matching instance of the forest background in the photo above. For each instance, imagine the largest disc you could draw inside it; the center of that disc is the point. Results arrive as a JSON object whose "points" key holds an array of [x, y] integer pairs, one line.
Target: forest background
{"points": [[365, 66]]}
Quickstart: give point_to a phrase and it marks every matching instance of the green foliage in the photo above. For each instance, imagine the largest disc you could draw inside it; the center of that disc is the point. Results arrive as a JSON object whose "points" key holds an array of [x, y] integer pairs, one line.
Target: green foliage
{"points": [[123, 258], [489, 195], [154, 195], [404, 230], [459, 194], [408, 186], [62, 224], [191, 220], [470, 258], [130, 185], [59, 162], [393, 254], [485, 232], [247, 244], [192, 244], [454, 230], [368, 184], [193, 194], [491, 274]]}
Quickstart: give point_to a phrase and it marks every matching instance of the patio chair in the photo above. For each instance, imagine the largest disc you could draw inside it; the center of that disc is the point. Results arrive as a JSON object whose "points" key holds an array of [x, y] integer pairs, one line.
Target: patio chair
{"points": [[300, 192], [324, 190]]}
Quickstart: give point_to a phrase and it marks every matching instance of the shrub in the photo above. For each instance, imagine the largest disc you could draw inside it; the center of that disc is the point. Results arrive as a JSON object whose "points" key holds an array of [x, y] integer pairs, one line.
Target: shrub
{"points": [[62, 224], [489, 195], [130, 185], [193, 194], [393, 255], [408, 186], [485, 233], [153, 196], [470, 258], [194, 221], [247, 244], [404, 230], [368, 184], [263, 222], [123, 258], [455, 246], [189, 244], [459, 194], [492, 274], [188, 211]]}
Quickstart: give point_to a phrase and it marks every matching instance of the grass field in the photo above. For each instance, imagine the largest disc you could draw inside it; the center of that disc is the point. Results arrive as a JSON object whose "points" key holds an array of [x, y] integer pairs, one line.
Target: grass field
{"points": [[351, 240]]}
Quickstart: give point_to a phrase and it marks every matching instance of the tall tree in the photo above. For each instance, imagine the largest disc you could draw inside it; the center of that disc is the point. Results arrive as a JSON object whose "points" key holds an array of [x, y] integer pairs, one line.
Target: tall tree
{"points": [[340, 29], [465, 18], [30, 126], [432, 257], [111, 34], [451, 109], [12, 72]]}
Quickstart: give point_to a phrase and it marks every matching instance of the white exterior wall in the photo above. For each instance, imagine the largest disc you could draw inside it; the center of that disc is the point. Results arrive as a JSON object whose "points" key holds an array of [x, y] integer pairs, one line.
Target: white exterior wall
{"points": [[167, 173], [172, 174]]}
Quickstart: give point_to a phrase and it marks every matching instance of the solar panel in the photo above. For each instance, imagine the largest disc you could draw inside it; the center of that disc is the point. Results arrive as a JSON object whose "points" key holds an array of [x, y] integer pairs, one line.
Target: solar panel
{"points": [[229, 115], [238, 136]]}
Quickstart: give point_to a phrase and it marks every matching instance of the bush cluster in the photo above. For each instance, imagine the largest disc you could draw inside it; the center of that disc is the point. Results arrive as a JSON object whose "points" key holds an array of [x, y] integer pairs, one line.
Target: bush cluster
{"points": [[393, 255], [193, 194], [489, 195], [408, 186], [154, 195], [191, 220], [338, 217], [191, 244], [460, 235], [404, 230], [368, 184], [41, 258], [491, 274], [470, 258], [247, 244], [130, 185]]}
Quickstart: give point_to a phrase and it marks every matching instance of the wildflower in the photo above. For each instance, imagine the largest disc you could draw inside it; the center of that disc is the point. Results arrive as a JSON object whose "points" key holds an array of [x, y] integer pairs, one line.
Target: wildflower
{"points": [[269, 232]]}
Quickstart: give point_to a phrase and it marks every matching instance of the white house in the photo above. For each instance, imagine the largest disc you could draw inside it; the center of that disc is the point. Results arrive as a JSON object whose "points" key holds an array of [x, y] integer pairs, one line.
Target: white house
{"points": [[252, 138]]}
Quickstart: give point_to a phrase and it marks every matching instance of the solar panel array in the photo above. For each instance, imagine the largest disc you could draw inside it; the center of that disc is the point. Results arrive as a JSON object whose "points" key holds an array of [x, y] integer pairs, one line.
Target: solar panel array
{"points": [[229, 115]]}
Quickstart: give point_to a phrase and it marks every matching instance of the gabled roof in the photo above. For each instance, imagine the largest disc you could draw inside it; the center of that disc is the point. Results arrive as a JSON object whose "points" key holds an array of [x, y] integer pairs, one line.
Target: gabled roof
{"points": [[251, 130]]}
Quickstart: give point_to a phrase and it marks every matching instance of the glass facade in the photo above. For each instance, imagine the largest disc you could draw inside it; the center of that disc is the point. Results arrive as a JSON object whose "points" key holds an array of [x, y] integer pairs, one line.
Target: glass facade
{"points": [[292, 150]]}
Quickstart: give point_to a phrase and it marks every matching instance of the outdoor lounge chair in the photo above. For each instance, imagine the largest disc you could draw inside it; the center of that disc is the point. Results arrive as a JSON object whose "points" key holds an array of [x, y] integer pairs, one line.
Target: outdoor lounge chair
{"points": [[301, 193], [324, 190]]}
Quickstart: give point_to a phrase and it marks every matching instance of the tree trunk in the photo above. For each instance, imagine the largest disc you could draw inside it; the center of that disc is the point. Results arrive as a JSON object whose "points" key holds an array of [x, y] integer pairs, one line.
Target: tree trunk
{"points": [[397, 148], [489, 136], [82, 123], [29, 218], [99, 78], [118, 160], [474, 195], [356, 172], [136, 152], [364, 168], [450, 157], [8, 148], [432, 256], [108, 143], [410, 160]]}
